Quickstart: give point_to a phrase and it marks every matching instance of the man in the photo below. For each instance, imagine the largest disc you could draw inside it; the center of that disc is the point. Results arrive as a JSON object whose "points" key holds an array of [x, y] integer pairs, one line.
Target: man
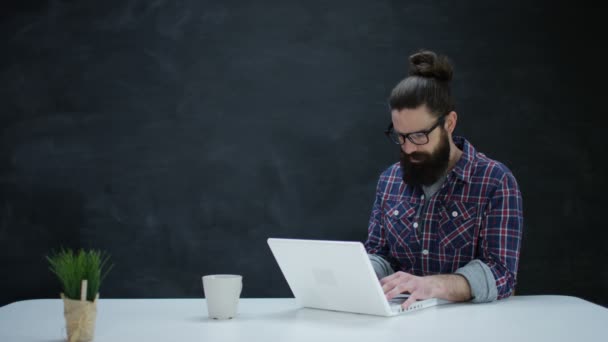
{"points": [[447, 220]]}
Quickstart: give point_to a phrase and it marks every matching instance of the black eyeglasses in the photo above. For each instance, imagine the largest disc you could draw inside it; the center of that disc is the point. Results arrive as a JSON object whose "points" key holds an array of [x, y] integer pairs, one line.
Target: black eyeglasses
{"points": [[417, 138]]}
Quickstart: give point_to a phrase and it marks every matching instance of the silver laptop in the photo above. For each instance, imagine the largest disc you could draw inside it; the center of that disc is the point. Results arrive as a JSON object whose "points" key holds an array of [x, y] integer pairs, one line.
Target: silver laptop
{"points": [[336, 275]]}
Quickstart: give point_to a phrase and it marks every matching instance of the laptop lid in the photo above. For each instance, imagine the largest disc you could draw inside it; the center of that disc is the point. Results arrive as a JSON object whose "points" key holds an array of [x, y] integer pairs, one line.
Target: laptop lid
{"points": [[330, 275]]}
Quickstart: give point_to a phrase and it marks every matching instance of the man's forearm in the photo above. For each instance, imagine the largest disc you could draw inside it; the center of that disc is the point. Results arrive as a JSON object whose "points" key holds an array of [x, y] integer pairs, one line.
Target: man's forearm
{"points": [[453, 287]]}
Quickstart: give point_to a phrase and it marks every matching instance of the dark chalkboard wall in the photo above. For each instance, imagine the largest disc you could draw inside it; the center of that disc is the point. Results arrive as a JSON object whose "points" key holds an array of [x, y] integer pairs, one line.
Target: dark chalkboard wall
{"points": [[180, 135]]}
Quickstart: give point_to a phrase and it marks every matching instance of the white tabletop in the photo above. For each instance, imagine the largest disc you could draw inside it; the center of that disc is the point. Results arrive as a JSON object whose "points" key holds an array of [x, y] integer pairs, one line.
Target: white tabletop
{"points": [[520, 318]]}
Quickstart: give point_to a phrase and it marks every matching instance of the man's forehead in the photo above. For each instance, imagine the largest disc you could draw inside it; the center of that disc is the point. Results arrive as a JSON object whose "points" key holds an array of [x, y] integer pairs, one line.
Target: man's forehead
{"points": [[411, 120]]}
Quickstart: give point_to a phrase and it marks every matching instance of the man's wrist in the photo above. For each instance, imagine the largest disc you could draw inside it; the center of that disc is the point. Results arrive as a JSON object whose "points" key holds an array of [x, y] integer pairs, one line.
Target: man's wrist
{"points": [[454, 287]]}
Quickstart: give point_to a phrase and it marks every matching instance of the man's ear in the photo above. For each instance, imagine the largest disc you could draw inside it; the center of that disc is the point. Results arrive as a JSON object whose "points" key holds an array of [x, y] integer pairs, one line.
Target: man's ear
{"points": [[450, 121]]}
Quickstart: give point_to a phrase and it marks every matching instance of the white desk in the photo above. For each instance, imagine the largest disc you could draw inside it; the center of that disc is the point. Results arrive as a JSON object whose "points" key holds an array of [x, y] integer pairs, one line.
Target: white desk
{"points": [[520, 318]]}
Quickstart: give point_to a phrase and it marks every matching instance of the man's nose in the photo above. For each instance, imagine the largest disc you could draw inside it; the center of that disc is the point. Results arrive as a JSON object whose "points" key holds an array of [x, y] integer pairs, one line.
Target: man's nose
{"points": [[409, 147]]}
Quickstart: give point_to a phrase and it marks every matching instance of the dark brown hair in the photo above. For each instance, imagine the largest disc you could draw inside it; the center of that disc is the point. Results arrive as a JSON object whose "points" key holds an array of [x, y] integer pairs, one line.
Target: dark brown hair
{"points": [[428, 84]]}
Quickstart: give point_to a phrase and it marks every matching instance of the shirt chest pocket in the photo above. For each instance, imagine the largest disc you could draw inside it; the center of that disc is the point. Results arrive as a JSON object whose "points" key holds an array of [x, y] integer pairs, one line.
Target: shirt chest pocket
{"points": [[399, 221], [456, 225]]}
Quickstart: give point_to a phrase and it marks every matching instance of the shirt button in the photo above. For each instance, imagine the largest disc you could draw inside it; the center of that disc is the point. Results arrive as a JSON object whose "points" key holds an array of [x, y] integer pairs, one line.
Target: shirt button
{"points": [[396, 212], [422, 197], [454, 213], [425, 252], [415, 224]]}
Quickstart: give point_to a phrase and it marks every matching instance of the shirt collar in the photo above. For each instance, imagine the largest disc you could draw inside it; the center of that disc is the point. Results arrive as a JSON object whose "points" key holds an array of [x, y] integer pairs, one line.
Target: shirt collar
{"points": [[463, 167]]}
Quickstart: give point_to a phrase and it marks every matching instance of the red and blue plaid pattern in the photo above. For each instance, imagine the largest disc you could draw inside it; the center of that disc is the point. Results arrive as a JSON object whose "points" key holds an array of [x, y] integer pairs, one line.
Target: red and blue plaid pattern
{"points": [[477, 214]]}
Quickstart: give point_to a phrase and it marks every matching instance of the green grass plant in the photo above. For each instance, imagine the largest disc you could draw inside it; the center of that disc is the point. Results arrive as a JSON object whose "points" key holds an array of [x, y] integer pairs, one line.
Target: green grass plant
{"points": [[72, 267]]}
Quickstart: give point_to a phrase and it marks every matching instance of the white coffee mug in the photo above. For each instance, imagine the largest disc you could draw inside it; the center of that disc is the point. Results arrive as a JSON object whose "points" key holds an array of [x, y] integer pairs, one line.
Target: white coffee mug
{"points": [[222, 292]]}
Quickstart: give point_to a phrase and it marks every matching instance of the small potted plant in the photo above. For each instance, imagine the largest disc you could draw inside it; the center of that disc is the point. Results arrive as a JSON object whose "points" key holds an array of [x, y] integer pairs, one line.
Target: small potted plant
{"points": [[80, 274]]}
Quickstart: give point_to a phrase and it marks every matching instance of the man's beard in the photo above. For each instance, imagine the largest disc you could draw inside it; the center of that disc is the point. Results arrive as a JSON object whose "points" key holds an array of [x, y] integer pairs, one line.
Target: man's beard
{"points": [[429, 167]]}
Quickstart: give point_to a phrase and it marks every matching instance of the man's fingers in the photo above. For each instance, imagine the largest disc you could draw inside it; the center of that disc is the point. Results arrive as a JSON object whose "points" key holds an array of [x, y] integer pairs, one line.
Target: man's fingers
{"points": [[397, 290], [392, 293], [391, 285], [389, 278], [387, 282], [396, 284], [411, 300], [394, 276]]}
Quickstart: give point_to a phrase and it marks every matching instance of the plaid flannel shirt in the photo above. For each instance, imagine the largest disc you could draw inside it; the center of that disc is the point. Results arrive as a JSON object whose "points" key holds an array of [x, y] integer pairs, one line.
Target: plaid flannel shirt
{"points": [[477, 214]]}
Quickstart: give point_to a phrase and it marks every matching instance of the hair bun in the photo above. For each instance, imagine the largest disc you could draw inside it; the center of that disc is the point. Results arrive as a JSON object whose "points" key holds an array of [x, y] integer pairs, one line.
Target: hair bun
{"points": [[426, 63]]}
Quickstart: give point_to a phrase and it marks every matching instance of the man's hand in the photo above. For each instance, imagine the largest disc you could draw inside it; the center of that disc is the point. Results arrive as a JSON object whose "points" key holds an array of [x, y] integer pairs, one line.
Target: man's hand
{"points": [[452, 287]]}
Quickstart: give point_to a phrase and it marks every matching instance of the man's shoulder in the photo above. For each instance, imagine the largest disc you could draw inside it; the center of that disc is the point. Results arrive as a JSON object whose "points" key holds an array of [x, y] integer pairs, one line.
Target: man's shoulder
{"points": [[391, 176], [489, 170], [392, 171], [478, 167]]}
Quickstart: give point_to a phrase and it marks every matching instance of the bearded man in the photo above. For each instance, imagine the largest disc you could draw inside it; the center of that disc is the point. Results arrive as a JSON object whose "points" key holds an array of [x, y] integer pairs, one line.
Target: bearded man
{"points": [[447, 220]]}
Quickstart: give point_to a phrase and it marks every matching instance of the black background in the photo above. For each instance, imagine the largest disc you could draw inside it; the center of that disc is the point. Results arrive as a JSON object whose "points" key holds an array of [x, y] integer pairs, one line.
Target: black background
{"points": [[180, 135]]}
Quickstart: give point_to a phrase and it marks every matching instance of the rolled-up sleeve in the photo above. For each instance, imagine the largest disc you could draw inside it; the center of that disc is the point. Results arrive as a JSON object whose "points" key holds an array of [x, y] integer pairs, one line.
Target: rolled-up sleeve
{"points": [[382, 267], [376, 235], [481, 281], [501, 235]]}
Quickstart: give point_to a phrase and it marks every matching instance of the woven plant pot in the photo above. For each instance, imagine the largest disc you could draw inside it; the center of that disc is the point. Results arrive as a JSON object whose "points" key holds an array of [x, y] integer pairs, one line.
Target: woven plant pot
{"points": [[80, 318]]}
